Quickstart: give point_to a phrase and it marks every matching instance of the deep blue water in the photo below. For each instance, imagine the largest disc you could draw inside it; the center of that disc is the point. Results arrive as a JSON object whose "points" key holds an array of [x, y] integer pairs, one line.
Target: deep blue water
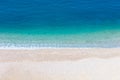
{"points": [[32, 19], [59, 13]]}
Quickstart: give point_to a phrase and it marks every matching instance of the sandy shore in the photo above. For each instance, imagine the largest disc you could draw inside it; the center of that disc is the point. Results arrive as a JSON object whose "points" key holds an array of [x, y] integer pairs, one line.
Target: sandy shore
{"points": [[19, 55], [60, 64]]}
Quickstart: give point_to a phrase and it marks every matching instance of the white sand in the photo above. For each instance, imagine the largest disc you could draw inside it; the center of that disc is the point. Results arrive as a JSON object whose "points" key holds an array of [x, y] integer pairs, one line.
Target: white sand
{"points": [[38, 55], [94, 66]]}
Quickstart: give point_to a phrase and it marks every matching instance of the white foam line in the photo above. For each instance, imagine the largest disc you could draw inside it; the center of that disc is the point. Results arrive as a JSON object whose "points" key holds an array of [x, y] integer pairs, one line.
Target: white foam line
{"points": [[33, 48]]}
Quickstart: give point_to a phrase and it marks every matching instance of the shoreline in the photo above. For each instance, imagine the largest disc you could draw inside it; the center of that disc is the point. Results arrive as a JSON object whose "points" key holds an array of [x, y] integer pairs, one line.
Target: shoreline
{"points": [[64, 54], [37, 48]]}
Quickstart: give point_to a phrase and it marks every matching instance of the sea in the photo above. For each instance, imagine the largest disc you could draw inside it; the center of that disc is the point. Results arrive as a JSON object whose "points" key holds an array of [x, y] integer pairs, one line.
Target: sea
{"points": [[59, 23]]}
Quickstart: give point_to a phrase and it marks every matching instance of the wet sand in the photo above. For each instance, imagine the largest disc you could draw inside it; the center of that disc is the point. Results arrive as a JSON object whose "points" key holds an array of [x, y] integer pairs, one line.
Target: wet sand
{"points": [[22, 55]]}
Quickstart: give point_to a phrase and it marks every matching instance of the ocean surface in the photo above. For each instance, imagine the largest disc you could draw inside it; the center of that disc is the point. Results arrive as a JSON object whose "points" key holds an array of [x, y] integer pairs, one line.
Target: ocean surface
{"points": [[59, 23]]}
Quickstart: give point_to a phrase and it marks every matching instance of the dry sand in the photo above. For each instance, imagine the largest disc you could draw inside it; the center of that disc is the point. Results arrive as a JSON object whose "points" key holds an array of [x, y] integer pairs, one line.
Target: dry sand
{"points": [[60, 64]]}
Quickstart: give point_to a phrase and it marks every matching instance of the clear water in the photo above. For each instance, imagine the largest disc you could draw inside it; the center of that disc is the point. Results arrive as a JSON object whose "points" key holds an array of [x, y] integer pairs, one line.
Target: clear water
{"points": [[59, 23]]}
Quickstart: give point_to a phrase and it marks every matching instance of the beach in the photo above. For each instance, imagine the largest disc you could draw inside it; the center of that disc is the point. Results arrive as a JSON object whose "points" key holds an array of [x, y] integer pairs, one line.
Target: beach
{"points": [[59, 39], [60, 64]]}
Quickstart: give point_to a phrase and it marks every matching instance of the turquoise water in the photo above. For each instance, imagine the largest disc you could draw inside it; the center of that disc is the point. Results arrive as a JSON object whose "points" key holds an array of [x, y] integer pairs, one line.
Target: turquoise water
{"points": [[64, 23]]}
